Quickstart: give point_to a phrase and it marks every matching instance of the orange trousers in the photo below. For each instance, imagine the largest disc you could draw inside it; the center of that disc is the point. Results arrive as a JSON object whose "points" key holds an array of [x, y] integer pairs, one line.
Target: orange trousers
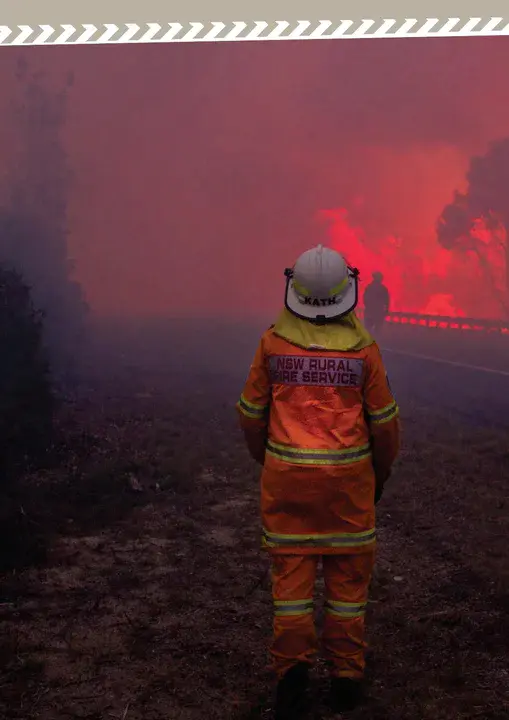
{"points": [[346, 579]]}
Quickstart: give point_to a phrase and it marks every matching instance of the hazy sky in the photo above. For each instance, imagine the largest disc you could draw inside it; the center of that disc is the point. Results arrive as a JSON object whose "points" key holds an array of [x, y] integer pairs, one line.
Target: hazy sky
{"points": [[200, 168]]}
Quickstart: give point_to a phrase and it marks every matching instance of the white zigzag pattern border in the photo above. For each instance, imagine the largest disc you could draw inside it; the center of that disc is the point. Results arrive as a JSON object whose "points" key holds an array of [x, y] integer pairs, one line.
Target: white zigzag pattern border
{"points": [[257, 30]]}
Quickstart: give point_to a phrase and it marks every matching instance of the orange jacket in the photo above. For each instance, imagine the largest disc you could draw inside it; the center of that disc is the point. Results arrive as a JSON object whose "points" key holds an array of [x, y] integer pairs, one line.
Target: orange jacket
{"points": [[324, 424]]}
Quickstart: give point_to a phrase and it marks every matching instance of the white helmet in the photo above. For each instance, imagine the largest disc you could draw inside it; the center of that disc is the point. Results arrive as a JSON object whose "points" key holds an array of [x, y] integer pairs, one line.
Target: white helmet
{"points": [[321, 286]]}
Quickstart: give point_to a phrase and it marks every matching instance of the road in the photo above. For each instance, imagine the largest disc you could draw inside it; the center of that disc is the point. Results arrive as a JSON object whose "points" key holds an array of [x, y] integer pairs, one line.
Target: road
{"points": [[470, 392], [463, 375]]}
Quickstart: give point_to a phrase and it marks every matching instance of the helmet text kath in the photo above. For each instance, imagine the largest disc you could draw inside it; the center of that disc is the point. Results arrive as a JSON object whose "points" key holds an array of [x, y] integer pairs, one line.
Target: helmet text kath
{"points": [[320, 302]]}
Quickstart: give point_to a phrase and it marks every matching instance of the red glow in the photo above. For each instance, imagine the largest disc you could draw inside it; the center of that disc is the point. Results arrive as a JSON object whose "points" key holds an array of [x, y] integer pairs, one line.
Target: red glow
{"points": [[442, 304], [421, 276]]}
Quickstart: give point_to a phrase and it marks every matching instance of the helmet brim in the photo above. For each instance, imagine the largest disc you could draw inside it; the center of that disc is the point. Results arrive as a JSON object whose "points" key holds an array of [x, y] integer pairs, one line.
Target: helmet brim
{"points": [[326, 313]]}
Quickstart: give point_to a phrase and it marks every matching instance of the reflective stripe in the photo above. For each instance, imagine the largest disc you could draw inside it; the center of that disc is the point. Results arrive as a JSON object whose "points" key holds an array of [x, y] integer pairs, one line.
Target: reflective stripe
{"points": [[306, 456], [300, 289], [293, 607], [251, 410], [385, 414], [319, 540], [345, 610], [342, 285]]}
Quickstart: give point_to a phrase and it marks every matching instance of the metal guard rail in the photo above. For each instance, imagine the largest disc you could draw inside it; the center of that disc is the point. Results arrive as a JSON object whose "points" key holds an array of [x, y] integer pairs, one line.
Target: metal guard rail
{"points": [[449, 323]]}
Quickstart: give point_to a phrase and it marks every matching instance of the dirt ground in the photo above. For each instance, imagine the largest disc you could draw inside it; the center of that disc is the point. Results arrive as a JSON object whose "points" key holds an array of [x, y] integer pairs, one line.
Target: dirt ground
{"points": [[152, 600]]}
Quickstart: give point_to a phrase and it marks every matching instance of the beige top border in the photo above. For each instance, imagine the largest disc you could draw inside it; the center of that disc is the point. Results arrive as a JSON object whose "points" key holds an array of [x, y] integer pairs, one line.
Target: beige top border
{"points": [[25, 22]]}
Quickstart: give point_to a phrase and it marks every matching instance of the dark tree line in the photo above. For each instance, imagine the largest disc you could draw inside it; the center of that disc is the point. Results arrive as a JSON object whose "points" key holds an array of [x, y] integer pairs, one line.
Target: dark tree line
{"points": [[33, 214], [27, 401], [42, 309]]}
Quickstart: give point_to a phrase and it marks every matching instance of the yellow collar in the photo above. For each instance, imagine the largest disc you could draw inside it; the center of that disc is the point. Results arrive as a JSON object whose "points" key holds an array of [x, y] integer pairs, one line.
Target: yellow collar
{"points": [[347, 334]]}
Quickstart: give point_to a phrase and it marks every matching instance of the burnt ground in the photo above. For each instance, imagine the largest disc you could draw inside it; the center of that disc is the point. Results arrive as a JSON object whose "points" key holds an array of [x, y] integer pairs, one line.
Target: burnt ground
{"points": [[152, 601]]}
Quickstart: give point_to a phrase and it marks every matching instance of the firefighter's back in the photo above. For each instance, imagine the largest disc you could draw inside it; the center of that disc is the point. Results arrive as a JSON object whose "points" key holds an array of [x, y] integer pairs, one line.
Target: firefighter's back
{"points": [[317, 400], [318, 479]]}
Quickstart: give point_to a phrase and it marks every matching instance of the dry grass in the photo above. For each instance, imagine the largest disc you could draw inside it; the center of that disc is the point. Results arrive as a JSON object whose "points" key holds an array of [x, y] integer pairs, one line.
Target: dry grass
{"points": [[154, 603]]}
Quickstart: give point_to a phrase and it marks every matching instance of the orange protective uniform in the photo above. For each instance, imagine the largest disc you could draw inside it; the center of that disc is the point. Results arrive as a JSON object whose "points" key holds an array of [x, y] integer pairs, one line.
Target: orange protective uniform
{"points": [[325, 426]]}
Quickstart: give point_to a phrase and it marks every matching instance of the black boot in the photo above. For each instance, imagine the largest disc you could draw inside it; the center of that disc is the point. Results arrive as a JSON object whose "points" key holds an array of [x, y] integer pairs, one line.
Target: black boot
{"points": [[345, 694], [291, 697]]}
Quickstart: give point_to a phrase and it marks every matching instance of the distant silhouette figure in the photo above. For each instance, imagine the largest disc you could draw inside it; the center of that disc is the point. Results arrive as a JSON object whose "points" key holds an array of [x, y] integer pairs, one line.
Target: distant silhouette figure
{"points": [[376, 303]]}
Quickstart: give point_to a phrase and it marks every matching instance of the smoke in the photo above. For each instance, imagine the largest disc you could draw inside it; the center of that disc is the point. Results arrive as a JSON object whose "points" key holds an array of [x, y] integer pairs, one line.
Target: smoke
{"points": [[198, 170], [33, 213]]}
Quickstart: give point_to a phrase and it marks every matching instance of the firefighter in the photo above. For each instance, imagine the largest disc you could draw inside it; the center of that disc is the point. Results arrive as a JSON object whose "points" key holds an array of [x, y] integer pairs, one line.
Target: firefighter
{"points": [[376, 303], [318, 415]]}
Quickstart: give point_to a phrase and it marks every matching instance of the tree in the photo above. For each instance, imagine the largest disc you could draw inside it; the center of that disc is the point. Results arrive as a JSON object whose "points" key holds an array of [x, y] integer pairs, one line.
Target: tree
{"points": [[477, 221], [42, 308], [33, 214]]}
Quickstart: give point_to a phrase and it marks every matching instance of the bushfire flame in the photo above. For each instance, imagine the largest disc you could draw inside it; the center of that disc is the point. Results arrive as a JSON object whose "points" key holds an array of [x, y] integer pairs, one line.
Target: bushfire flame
{"points": [[420, 275]]}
